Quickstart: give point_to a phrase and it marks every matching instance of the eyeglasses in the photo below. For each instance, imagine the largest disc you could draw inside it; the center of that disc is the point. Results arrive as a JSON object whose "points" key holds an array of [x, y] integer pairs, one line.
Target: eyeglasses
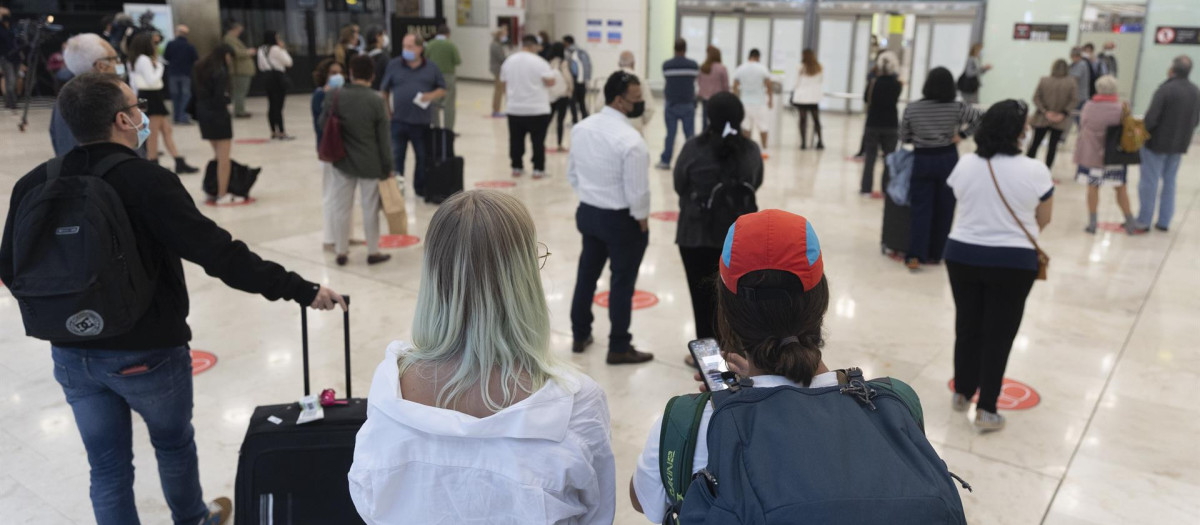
{"points": [[543, 254], [141, 105]]}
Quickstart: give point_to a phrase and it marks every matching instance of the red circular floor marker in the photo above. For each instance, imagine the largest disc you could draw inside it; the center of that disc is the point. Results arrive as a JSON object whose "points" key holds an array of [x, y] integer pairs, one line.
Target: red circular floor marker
{"points": [[202, 361], [669, 216], [1115, 227], [495, 184], [398, 241], [640, 299], [1014, 395], [251, 141]]}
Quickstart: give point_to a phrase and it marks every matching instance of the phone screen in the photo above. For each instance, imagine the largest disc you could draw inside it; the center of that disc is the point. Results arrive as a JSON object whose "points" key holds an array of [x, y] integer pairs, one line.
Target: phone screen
{"points": [[708, 359]]}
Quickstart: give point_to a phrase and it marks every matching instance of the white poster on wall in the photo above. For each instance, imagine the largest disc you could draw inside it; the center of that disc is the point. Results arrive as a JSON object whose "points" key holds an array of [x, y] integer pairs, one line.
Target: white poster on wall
{"points": [[157, 15]]}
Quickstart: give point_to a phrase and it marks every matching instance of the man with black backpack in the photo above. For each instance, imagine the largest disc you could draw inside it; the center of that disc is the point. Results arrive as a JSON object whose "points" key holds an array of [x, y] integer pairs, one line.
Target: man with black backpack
{"points": [[791, 441], [92, 251]]}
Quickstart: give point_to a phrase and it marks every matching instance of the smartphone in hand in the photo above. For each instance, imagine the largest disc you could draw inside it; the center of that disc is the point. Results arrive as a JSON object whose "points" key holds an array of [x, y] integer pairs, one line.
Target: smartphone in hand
{"points": [[708, 359]]}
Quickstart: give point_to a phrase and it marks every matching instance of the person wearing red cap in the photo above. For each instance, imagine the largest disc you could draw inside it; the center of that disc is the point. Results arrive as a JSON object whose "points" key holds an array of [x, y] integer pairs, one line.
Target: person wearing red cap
{"points": [[771, 302]]}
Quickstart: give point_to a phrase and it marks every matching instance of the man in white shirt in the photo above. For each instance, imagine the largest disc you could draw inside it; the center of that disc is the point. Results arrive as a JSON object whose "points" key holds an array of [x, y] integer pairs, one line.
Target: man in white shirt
{"points": [[608, 169], [752, 83], [526, 76]]}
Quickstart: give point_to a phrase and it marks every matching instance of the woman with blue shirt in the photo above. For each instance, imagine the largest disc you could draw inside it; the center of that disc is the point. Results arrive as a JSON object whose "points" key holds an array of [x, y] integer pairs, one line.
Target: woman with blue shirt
{"points": [[991, 258]]}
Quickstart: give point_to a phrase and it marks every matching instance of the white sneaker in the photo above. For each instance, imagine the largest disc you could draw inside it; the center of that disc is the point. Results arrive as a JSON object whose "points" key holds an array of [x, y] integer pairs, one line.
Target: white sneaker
{"points": [[539, 174], [988, 421], [960, 403]]}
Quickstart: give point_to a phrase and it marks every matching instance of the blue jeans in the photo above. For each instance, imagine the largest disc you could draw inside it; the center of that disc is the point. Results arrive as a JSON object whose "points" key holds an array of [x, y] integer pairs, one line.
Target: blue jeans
{"points": [[1157, 166], [181, 93], [102, 399], [932, 202], [402, 134], [686, 112]]}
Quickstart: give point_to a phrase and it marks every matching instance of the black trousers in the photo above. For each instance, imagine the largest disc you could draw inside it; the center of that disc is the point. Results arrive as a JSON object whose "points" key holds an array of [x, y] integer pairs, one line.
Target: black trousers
{"points": [[873, 140], [276, 86], [579, 102], [536, 127], [559, 110], [1051, 148], [989, 303], [611, 236], [700, 263], [805, 111]]}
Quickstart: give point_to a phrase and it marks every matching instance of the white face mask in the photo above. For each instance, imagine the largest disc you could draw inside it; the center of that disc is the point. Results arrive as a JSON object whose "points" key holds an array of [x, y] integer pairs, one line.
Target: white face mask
{"points": [[387, 42], [120, 70]]}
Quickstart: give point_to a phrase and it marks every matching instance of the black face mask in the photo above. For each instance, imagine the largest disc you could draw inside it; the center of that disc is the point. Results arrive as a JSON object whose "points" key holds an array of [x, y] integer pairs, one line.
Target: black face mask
{"points": [[638, 109]]}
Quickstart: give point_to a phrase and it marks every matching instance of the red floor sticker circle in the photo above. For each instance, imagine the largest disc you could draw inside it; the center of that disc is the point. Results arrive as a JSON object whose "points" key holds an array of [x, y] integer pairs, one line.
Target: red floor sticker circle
{"points": [[640, 299], [495, 184], [1014, 395], [202, 361], [398, 241], [251, 141], [669, 216]]}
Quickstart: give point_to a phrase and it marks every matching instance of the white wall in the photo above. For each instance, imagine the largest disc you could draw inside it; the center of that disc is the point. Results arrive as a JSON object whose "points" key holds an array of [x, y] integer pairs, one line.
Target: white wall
{"points": [[1017, 65], [473, 41], [571, 16], [660, 39]]}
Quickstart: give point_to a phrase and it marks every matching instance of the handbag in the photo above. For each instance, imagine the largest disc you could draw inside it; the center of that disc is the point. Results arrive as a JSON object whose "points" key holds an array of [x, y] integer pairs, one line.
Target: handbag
{"points": [[1043, 259], [1133, 131], [332, 149], [393, 206]]}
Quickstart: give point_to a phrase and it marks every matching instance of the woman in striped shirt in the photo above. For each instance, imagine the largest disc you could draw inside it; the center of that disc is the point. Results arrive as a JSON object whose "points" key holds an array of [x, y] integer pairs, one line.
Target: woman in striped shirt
{"points": [[934, 125]]}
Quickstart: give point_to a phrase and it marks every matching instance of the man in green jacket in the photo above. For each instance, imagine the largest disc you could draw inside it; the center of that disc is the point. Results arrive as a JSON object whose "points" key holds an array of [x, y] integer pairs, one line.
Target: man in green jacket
{"points": [[243, 67], [444, 54]]}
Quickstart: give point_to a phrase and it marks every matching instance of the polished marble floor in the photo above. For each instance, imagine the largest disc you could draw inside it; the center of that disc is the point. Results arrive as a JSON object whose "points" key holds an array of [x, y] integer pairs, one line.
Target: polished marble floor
{"points": [[1108, 342]]}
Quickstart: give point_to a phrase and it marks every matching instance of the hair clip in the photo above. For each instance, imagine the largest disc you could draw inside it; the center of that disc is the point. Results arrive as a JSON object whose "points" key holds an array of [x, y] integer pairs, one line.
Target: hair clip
{"points": [[728, 131], [789, 339]]}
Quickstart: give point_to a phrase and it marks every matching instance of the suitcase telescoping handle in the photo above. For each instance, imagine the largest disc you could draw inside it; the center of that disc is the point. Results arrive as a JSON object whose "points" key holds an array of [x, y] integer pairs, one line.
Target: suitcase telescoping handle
{"points": [[304, 339]]}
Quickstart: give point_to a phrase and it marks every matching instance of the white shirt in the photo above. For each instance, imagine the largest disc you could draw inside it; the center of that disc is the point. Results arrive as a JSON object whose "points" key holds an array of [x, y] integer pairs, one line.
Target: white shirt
{"points": [[750, 77], [146, 74], [808, 88], [982, 219], [609, 164], [522, 73], [647, 482], [546, 459], [275, 59]]}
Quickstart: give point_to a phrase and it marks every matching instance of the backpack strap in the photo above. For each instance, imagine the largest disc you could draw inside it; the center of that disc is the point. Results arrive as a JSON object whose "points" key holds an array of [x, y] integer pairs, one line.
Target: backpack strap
{"points": [[53, 168], [677, 445], [895, 387], [106, 164]]}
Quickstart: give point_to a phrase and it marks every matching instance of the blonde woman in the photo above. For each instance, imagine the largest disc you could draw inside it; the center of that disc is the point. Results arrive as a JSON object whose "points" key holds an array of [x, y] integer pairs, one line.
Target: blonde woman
{"points": [[476, 420], [807, 97], [1103, 111]]}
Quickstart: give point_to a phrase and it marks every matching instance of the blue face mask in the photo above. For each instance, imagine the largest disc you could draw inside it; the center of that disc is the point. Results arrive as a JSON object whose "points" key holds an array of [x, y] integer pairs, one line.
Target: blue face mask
{"points": [[336, 81], [143, 131], [409, 55]]}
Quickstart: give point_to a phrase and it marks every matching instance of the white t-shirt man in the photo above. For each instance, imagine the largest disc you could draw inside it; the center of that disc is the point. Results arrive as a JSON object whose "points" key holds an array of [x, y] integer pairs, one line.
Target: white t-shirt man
{"points": [[982, 219], [523, 73], [647, 482], [751, 78]]}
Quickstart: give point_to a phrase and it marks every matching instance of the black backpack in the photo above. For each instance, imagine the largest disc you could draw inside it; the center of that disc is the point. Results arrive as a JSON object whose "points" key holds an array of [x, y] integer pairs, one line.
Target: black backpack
{"points": [[729, 199], [77, 272]]}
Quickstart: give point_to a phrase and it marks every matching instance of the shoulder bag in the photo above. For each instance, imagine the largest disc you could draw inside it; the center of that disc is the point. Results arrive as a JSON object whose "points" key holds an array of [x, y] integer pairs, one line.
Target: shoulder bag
{"points": [[1043, 259]]}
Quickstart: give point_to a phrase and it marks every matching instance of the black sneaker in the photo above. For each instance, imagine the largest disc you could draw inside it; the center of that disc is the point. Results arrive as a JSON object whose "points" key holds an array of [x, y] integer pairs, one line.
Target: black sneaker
{"points": [[1163, 229], [579, 346]]}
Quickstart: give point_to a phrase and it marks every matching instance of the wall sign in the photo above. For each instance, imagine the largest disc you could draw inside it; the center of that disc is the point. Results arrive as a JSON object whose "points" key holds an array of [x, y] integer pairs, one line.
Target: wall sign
{"points": [[1169, 35], [1041, 32], [614, 31], [595, 32]]}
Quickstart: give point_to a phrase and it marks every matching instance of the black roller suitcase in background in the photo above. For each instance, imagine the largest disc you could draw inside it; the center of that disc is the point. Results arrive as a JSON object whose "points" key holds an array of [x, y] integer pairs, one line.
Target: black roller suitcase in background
{"points": [[241, 178], [296, 474], [443, 170], [895, 228]]}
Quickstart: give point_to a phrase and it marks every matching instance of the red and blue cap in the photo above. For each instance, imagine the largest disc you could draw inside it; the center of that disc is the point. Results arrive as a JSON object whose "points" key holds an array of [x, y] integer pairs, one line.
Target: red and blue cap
{"points": [[772, 240]]}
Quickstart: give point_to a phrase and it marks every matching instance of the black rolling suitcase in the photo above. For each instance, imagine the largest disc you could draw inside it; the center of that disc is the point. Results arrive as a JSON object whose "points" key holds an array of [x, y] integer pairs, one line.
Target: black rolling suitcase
{"points": [[296, 474], [895, 228], [443, 170]]}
